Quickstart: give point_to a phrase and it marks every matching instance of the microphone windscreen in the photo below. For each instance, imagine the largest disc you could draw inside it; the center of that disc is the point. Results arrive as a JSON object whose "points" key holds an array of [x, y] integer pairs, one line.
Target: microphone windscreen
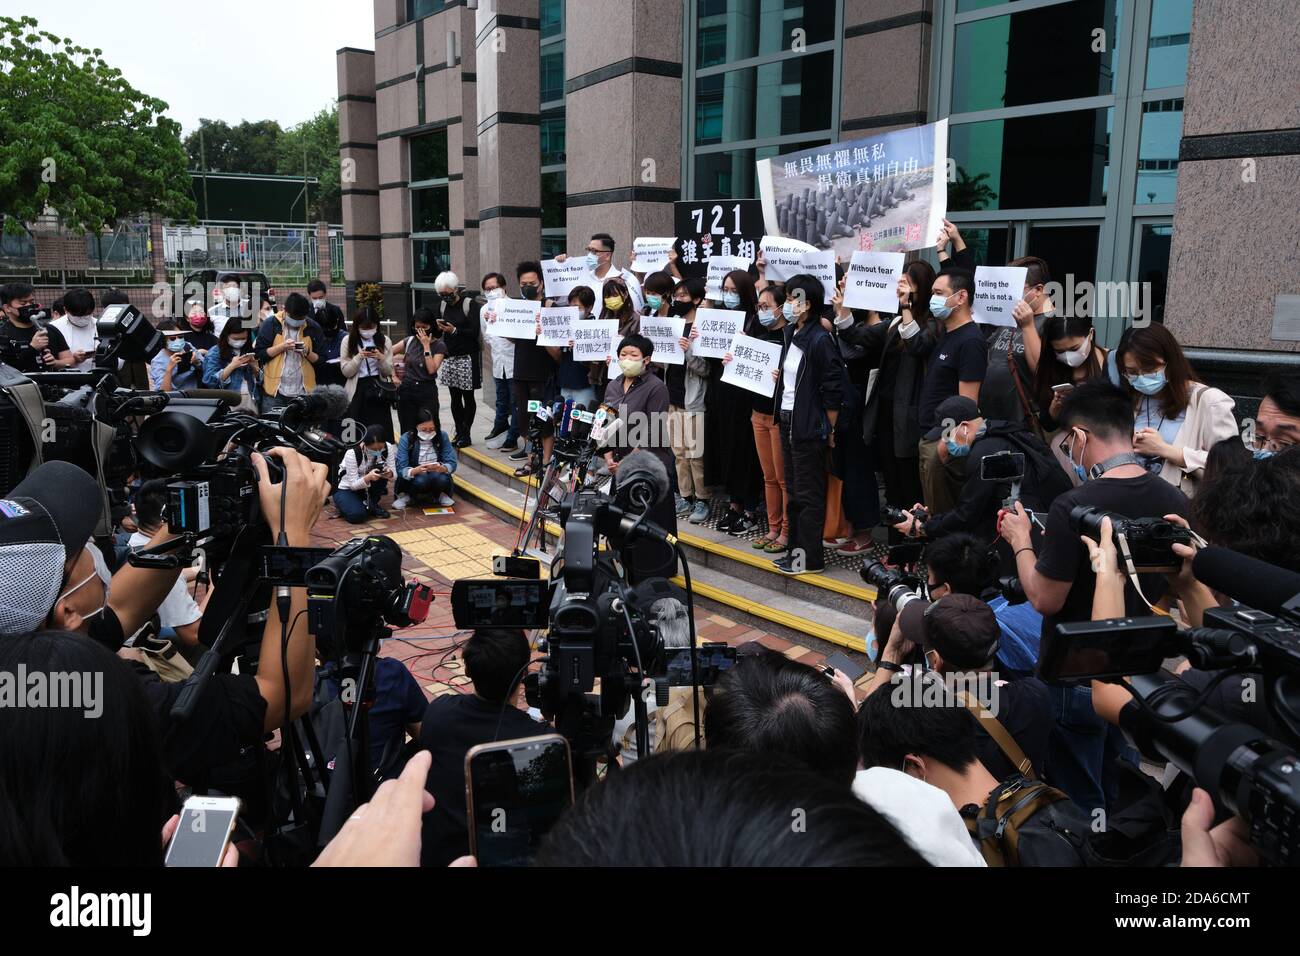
{"points": [[644, 469], [329, 402], [1256, 584]]}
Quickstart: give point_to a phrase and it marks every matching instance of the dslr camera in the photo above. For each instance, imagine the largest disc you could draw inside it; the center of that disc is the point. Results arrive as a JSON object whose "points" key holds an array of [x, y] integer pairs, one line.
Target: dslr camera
{"points": [[1150, 541]]}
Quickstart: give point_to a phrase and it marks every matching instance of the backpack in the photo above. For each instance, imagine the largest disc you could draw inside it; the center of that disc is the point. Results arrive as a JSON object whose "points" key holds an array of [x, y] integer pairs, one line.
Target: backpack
{"points": [[1027, 823]]}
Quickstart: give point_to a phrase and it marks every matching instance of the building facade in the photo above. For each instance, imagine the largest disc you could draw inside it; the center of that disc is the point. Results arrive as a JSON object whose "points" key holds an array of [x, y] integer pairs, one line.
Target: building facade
{"points": [[1083, 131]]}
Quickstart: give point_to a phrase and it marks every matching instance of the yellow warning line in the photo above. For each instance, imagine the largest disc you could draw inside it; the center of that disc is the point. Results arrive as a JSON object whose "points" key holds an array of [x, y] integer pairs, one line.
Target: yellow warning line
{"points": [[846, 588], [776, 616]]}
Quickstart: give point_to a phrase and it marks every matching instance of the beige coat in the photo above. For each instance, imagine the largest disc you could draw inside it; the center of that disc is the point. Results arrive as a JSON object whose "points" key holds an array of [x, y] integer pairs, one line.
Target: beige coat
{"points": [[350, 365], [1209, 421]]}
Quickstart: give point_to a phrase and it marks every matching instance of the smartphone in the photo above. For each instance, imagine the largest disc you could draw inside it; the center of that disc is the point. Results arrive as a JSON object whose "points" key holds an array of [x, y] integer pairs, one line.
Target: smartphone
{"points": [[1063, 388], [204, 831], [845, 665], [1003, 466], [515, 790]]}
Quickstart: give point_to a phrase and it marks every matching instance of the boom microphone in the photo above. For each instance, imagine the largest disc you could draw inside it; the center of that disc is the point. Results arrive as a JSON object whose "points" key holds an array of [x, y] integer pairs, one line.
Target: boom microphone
{"points": [[326, 403], [1255, 583], [641, 482]]}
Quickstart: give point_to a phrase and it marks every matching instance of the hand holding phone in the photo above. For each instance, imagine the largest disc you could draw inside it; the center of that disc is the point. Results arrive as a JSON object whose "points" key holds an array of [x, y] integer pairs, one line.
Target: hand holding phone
{"points": [[202, 835], [515, 790]]}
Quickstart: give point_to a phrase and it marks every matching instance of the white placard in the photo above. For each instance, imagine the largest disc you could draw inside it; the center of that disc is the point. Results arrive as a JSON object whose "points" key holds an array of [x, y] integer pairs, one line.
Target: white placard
{"points": [[997, 290], [821, 265], [561, 277], [872, 281], [752, 363], [719, 266], [783, 257], [665, 336], [515, 318], [651, 254], [593, 339], [557, 326], [717, 327]]}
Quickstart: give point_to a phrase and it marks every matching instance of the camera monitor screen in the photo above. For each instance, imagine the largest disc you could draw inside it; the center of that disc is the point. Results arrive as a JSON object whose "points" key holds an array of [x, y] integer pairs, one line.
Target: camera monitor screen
{"points": [[490, 602], [1115, 648]]}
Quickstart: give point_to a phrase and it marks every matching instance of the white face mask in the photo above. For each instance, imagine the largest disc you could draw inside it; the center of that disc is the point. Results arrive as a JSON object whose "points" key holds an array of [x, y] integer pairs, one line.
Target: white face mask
{"points": [[1076, 357], [318, 304], [427, 436], [237, 343], [82, 321], [494, 294], [232, 296]]}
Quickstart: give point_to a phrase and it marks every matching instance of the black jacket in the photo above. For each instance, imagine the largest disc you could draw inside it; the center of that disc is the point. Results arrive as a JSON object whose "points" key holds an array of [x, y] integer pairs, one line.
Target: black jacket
{"points": [[819, 385], [463, 314], [884, 346]]}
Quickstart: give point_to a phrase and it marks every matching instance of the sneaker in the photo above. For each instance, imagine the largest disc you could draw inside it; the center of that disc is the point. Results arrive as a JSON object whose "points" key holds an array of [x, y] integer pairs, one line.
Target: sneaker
{"points": [[681, 505], [832, 543], [496, 440], [728, 520], [505, 446], [700, 513], [496, 430], [854, 548], [400, 502], [519, 454], [785, 565], [378, 512], [445, 500], [461, 443], [741, 526]]}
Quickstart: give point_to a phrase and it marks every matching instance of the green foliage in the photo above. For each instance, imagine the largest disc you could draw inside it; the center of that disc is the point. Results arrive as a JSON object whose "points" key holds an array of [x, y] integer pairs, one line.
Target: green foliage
{"points": [[78, 138], [370, 294], [969, 192], [246, 148]]}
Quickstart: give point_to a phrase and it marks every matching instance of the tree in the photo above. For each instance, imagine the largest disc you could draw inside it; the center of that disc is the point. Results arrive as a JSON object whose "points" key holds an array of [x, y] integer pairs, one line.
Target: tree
{"points": [[76, 137], [315, 143], [969, 192], [246, 148]]}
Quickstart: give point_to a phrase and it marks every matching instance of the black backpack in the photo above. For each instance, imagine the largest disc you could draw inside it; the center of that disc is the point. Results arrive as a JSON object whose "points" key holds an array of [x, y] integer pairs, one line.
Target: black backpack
{"points": [[1027, 823]]}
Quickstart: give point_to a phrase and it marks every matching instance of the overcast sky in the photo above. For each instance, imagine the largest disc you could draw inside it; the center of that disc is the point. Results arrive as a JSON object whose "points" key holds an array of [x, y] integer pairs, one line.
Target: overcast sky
{"points": [[233, 60]]}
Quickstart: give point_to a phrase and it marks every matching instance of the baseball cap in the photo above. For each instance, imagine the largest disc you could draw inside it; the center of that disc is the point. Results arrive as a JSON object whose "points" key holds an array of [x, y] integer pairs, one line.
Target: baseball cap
{"points": [[962, 628], [957, 408], [45, 521]]}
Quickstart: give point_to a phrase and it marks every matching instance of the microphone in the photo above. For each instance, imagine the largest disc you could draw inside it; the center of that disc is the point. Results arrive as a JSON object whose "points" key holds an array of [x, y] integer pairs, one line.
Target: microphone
{"points": [[642, 482], [326, 403], [1255, 583], [564, 417]]}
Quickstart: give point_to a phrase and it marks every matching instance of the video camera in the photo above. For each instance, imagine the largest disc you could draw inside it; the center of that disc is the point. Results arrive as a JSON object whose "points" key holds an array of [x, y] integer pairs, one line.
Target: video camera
{"points": [[1148, 541], [1241, 765]]}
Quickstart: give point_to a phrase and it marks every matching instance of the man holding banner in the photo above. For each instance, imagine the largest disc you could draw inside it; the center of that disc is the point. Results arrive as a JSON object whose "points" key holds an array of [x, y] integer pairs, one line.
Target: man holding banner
{"points": [[601, 268]]}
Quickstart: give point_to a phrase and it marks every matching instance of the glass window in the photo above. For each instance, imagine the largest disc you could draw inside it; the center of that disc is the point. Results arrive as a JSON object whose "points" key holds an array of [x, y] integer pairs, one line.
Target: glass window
{"points": [[553, 246], [429, 156], [991, 244], [1153, 264], [777, 99], [1067, 250], [429, 210], [1171, 30], [431, 256], [1058, 159], [731, 30], [1162, 128], [421, 8], [554, 200], [553, 138], [966, 6], [552, 17], [727, 175], [552, 78], [1037, 56]]}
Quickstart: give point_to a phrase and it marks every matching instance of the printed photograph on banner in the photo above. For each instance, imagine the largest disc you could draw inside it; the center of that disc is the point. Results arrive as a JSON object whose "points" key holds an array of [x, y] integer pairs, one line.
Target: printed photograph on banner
{"points": [[872, 281], [561, 277], [717, 328], [752, 363], [516, 318], [887, 192], [593, 339], [651, 254], [719, 266], [665, 335], [557, 326], [997, 290]]}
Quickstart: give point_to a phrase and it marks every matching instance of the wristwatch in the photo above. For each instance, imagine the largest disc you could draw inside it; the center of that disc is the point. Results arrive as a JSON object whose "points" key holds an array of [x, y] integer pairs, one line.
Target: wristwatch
{"points": [[890, 666]]}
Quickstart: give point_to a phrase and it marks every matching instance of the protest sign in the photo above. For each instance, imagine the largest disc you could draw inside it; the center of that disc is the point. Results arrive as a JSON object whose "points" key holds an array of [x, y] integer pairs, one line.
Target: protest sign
{"points": [[557, 326], [719, 266], [717, 327], [652, 254], [706, 228], [594, 339], [821, 265], [665, 335], [752, 363], [783, 257], [872, 281], [561, 277], [997, 290], [515, 318], [883, 193]]}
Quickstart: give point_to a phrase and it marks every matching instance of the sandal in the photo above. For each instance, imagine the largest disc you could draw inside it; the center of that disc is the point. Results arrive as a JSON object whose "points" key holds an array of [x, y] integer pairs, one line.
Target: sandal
{"points": [[760, 544], [777, 547]]}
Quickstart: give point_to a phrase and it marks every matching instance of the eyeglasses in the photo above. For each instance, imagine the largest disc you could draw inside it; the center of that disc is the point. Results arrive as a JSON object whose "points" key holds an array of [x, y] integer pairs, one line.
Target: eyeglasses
{"points": [[1067, 443], [1271, 444]]}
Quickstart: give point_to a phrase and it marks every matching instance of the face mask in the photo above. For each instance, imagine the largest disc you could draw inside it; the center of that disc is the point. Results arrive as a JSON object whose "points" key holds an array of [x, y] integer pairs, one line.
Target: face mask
{"points": [[528, 291], [731, 299], [77, 587], [316, 304], [368, 334], [631, 367], [494, 294], [592, 261], [237, 343], [448, 297], [956, 449], [1259, 454], [232, 296], [681, 309], [374, 452], [81, 321], [1078, 469], [1076, 357], [614, 303], [176, 345], [426, 436], [939, 307], [767, 318], [1149, 384], [788, 310], [197, 322], [295, 323], [655, 302]]}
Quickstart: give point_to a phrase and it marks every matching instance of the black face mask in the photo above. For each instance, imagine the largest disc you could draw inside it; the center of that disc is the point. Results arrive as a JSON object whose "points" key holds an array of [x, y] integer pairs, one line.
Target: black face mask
{"points": [[447, 297], [681, 309], [528, 291]]}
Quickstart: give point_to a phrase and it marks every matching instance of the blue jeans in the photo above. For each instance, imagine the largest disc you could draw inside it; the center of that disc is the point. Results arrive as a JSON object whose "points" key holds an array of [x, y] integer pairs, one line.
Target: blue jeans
{"points": [[1082, 749], [430, 483], [354, 507], [507, 416]]}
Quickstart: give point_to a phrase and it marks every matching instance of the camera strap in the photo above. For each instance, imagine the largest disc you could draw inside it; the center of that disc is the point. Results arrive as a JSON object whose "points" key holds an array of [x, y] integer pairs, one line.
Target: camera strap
{"points": [[1130, 569], [1001, 736], [1127, 458]]}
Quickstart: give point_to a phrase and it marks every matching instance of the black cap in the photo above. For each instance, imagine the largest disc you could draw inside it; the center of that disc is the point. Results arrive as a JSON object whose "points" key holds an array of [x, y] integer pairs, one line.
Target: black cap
{"points": [[963, 629], [952, 410]]}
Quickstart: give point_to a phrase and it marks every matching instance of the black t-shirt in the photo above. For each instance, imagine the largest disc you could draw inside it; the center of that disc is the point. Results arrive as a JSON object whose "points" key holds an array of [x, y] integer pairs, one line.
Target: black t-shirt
{"points": [[1023, 711], [532, 362], [1063, 557], [229, 717], [452, 725], [16, 350], [960, 356], [998, 396]]}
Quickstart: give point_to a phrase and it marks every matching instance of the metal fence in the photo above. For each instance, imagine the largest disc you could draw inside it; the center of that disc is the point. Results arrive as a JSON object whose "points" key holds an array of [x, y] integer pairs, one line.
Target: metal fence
{"points": [[282, 252]]}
